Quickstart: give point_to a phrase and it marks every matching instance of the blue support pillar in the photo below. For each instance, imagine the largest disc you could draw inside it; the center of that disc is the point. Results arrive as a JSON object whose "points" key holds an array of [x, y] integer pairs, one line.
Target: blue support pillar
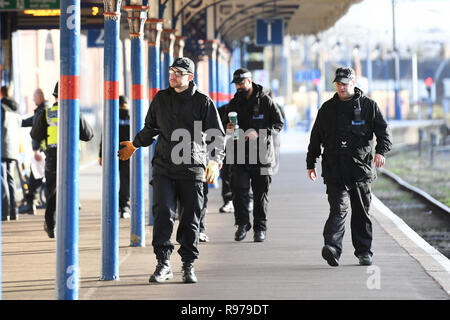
{"points": [[235, 64], [110, 134], [211, 51], [67, 264], [217, 78], [154, 32], [137, 15], [398, 110], [168, 38]]}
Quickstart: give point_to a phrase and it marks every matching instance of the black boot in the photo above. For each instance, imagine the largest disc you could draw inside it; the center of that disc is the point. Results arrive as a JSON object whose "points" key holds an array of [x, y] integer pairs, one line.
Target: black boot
{"points": [[31, 207], [162, 272], [187, 272], [241, 232], [50, 231], [259, 236]]}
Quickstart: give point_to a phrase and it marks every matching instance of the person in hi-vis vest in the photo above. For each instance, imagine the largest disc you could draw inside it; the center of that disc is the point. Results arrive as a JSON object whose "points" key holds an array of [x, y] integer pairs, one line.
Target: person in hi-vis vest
{"points": [[45, 130]]}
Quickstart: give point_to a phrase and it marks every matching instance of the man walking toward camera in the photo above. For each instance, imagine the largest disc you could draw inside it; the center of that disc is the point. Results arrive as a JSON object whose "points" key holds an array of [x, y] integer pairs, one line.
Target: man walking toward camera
{"points": [[177, 109], [259, 119], [344, 128]]}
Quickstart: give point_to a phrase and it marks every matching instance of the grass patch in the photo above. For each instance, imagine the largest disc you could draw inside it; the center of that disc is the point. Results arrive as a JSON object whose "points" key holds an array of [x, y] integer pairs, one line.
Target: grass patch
{"points": [[418, 172]]}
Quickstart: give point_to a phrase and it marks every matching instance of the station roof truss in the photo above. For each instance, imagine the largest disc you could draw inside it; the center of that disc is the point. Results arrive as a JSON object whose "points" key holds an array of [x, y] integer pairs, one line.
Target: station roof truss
{"points": [[236, 19]]}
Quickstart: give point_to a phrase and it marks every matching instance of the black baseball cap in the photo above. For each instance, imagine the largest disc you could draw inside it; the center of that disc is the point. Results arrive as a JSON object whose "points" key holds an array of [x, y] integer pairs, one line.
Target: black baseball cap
{"points": [[344, 75], [240, 74], [55, 91], [122, 100], [184, 64]]}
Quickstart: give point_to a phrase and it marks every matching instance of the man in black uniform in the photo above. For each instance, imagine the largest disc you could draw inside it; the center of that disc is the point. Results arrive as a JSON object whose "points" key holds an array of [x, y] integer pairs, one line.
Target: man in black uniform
{"points": [[225, 174], [124, 166], [258, 119], [34, 183], [180, 112], [344, 127], [45, 130]]}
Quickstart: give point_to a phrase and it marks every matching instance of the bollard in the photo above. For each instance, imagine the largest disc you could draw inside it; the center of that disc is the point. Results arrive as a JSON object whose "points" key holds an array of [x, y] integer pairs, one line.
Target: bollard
{"points": [[433, 144], [421, 138]]}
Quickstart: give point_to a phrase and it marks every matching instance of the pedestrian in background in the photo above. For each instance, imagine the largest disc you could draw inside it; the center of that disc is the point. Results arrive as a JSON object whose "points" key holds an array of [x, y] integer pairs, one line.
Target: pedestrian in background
{"points": [[45, 130], [34, 183], [225, 174], [344, 128], [124, 165], [11, 123], [259, 118]]}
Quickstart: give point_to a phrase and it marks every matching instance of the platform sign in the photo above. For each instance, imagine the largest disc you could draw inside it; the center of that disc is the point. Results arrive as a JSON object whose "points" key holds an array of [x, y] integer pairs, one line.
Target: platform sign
{"points": [[306, 75], [269, 32], [18, 5], [96, 38]]}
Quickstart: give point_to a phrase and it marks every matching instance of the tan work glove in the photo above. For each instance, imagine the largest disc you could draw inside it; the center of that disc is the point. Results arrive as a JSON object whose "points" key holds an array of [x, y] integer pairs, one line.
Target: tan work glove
{"points": [[212, 171], [127, 151]]}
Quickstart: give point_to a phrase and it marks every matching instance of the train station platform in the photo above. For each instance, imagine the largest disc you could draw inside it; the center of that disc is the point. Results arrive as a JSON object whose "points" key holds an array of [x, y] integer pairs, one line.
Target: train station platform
{"points": [[287, 266]]}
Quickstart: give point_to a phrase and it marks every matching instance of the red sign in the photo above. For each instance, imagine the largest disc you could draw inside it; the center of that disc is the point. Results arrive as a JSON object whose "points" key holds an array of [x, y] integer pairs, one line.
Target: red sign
{"points": [[429, 81]]}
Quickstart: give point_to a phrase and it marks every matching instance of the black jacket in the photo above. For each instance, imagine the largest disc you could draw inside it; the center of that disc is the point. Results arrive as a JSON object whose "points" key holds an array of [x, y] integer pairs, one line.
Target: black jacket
{"points": [[259, 112], [171, 115], [347, 156], [10, 103], [39, 132], [28, 122], [124, 128]]}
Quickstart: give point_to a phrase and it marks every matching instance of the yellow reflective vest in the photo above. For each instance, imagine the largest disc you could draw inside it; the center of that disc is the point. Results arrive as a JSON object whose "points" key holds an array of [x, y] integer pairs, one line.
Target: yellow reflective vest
{"points": [[51, 114]]}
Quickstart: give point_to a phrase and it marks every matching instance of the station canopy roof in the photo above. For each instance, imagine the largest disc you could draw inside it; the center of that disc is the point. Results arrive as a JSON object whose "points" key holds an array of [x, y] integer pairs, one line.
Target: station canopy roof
{"points": [[234, 19]]}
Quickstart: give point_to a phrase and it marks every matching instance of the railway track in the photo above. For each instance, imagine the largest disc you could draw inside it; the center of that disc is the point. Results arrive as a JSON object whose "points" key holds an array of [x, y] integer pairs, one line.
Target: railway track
{"points": [[423, 213]]}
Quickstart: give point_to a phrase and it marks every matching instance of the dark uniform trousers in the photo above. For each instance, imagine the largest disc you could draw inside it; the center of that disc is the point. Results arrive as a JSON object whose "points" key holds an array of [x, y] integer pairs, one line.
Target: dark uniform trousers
{"points": [[225, 175], [124, 188], [340, 200], [241, 180], [202, 226], [166, 191], [50, 192]]}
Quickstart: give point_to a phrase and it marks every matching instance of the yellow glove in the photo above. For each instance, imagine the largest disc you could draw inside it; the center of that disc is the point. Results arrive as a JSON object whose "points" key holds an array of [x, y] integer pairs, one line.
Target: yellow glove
{"points": [[212, 171], [127, 151]]}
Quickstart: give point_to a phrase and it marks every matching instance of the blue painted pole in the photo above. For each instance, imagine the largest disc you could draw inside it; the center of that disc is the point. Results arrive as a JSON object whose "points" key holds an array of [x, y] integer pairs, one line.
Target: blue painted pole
{"points": [[154, 71], [217, 78], [211, 51], [110, 166], [168, 39], [67, 264], [398, 110], [162, 76], [137, 15]]}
